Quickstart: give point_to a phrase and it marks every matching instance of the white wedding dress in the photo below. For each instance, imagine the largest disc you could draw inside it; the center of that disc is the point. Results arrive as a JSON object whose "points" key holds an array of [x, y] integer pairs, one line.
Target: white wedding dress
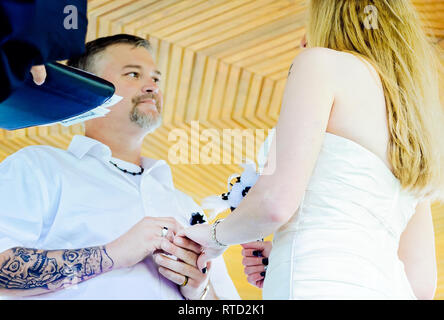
{"points": [[342, 242]]}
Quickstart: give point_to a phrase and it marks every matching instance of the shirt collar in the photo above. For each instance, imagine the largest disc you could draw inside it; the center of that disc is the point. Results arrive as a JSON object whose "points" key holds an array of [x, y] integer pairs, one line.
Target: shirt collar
{"points": [[158, 169], [82, 145]]}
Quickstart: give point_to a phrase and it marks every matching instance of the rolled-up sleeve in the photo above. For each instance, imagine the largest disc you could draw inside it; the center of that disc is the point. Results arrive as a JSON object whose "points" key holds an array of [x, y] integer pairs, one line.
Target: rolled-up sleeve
{"points": [[22, 201]]}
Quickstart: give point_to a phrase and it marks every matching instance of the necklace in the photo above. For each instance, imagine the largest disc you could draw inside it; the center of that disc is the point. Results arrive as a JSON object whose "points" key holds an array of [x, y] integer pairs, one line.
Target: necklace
{"points": [[126, 171]]}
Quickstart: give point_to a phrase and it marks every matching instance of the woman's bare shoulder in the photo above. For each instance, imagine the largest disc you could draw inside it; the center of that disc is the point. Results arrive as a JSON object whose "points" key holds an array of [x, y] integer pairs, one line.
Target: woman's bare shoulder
{"points": [[336, 60], [316, 55], [317, 62]]}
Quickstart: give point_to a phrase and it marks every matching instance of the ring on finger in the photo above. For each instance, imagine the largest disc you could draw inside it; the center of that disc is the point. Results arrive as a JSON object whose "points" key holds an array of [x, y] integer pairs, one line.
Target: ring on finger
{"points": [[184, 282], [164, 231]]}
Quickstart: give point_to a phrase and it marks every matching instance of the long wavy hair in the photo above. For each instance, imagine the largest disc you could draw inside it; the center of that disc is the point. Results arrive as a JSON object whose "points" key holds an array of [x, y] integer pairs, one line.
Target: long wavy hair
{"points": [[389, 34]]}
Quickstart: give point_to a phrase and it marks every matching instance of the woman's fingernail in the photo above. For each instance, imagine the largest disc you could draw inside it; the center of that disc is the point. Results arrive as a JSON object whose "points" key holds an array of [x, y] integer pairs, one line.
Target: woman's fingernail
{"points": [[265, 261], [204, 270], [257, 253], [263, 273]]}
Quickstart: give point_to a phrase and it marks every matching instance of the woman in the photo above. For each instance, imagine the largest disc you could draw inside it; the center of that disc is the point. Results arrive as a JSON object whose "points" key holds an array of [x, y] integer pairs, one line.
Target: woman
{"points": [[358, 159]]}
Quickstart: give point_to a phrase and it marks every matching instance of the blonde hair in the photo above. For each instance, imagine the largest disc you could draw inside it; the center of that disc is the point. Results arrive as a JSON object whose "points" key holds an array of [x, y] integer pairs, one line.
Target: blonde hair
{"points": [[389, 35]]}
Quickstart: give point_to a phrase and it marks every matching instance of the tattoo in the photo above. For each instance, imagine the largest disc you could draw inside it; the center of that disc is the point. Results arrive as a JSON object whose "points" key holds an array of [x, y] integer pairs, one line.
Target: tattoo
{"points": [[31, 268], [289, 71]]}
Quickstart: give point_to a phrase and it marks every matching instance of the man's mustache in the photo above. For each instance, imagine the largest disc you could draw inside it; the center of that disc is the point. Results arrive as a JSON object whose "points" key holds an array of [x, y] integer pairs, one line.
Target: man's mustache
{"points": [[150, 95]]}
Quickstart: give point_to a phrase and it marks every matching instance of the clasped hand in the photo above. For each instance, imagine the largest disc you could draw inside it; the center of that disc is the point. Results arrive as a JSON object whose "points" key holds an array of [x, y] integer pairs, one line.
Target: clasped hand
{"points": [[201, 234], [183, 269], [147, 238]]}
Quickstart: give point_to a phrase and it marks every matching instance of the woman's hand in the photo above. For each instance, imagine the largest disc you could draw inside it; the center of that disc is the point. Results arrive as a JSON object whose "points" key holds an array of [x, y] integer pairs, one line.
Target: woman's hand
{"points": [[201, 234], [255, 261]]}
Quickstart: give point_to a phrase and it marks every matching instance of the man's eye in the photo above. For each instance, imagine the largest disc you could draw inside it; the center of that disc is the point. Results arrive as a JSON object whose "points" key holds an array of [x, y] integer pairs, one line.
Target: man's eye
{"points": [[133, 74], [156, 80]]}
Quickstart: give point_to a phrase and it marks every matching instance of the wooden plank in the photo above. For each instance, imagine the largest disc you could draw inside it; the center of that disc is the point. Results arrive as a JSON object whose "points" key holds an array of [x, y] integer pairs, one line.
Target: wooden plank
{"points": [[113, 21], [234, 27], [276, 100], [172, 83], [194, 17], [218, 97], [154, 43], [94, 4], [207, 88], [163, 65], [231, 92], [262, 43], [264, 102], [93, 17], [271, 60], [253, 99], [200, 62], [184, 86], [165, 13]]}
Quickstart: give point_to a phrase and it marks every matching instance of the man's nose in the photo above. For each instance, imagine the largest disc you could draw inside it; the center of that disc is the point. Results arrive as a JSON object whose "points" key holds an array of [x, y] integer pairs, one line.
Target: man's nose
{"points": [[151, 87]]}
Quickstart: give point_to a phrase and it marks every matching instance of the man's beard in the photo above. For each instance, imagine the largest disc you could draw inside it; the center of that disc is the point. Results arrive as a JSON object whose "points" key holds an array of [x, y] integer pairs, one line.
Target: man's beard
{"points": [[149, 120]]}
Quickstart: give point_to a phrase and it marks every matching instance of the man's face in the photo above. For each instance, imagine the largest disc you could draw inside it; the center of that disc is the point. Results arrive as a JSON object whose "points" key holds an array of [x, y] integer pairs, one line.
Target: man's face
{"points": [[135, 76]]}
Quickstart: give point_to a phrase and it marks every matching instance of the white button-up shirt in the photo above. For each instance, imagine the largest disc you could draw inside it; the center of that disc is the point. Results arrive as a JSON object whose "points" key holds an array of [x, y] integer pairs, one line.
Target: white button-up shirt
{"points": [[56, 199]]}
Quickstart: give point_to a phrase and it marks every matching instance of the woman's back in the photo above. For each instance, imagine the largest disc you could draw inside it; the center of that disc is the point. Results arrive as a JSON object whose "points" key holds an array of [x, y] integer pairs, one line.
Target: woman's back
{"points": [[359, 111]]}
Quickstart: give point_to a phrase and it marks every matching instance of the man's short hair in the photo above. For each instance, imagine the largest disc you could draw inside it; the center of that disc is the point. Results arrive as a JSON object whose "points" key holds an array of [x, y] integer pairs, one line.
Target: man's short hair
{"points": [[87, 59]]}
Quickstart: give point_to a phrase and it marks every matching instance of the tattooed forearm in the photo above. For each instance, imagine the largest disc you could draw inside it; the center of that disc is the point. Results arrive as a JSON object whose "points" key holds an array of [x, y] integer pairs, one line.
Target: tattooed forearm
{"points": [[23, 268]]}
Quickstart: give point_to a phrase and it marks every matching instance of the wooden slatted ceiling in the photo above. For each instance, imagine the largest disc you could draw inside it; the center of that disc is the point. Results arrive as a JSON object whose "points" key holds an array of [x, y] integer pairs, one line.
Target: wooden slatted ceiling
{"points": [[225, 64]]}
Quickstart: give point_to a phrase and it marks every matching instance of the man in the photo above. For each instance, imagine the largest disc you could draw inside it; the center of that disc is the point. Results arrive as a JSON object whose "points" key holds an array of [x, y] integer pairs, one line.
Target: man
{"points": [[101, 196]]}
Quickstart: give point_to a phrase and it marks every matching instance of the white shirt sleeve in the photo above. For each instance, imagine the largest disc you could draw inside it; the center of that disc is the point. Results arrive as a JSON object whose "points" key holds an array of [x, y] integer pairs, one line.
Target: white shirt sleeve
{"points": [[219, 277], [22, 202]]}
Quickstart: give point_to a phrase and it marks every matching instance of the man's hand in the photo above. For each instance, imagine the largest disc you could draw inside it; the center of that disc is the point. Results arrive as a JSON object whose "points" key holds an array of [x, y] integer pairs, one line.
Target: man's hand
{"points": [[38, 74], [255, 260], [186, 251], [141, 241]]}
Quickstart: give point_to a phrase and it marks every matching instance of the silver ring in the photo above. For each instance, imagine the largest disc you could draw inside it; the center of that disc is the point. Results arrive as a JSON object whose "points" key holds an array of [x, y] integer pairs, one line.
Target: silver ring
{"points": [[164, 231]]}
